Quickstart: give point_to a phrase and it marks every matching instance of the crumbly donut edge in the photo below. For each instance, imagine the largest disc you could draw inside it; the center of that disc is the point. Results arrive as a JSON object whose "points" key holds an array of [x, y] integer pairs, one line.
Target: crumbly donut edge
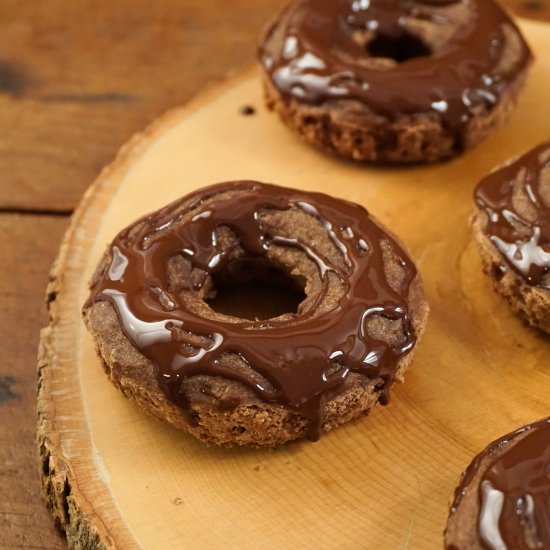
{"points": [[252, 424], [531, 304], [349, 129]]}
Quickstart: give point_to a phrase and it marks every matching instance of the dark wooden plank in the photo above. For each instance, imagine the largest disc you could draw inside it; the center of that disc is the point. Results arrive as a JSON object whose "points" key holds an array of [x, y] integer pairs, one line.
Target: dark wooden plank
{"points": [[79, 78], [29, 246]]}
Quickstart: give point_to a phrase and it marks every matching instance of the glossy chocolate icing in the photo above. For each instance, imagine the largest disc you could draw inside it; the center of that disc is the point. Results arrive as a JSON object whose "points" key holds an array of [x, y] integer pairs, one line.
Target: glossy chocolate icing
{"points": [[318, 50], [303, 359], [514, 490], [523, 242]]}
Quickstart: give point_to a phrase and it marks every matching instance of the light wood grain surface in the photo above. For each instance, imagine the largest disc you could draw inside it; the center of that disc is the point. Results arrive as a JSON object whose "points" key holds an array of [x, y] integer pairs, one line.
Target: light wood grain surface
{"points": [[382, 482], [76, 80]]}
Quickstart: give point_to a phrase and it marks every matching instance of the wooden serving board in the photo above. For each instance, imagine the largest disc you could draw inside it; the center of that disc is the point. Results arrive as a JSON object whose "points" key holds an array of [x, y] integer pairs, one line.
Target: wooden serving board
{"points": [[115, 478]]}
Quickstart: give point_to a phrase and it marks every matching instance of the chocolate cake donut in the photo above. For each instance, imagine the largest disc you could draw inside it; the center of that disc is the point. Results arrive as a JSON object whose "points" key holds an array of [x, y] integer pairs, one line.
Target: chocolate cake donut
{"points": [[502, 500], [230, 380], [393, 80], [511, 225]]}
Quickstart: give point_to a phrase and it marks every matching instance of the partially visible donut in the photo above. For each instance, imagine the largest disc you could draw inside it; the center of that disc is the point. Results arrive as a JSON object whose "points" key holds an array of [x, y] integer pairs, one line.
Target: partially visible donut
{"points": [[234, 381], [393, 80], [512, 228], [502, 500]]}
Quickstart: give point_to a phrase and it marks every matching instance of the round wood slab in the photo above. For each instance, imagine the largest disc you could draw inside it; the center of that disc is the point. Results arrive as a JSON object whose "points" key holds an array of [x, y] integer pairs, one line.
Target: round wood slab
{"points": [[115, 478]]}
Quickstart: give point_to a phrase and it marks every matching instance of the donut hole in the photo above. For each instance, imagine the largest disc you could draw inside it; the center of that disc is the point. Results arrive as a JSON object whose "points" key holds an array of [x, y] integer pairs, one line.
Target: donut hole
{"points": [[255, 289], [400, 48]]}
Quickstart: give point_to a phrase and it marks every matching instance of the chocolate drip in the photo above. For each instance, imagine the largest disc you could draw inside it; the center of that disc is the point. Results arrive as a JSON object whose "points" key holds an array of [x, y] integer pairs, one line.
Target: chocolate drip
{"points": [[317, 51], [302, 360], [523, 243], [514, 491]]}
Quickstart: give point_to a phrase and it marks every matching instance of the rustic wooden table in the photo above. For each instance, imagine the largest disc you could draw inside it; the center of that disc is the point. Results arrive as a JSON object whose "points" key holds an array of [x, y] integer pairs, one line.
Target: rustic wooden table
{"points": [[77, 79]]}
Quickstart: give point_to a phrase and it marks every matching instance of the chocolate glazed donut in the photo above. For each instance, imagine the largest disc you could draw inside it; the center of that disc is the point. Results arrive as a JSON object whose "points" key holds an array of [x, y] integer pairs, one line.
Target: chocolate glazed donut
{"points": [[230, 380], [502, 499], [393, 80], [512, 227]]}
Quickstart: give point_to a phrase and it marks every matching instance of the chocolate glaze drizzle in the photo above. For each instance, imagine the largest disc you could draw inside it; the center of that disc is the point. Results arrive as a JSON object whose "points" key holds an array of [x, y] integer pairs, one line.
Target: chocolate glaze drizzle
{"points": [[302, 360], [514, 491], [528, 256], [317, 51]]}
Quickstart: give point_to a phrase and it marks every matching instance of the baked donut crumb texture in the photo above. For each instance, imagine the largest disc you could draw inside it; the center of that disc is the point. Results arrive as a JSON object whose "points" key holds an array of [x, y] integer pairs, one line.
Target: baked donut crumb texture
{"points": [[236, 380], [512, 229], [393, 81]]}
